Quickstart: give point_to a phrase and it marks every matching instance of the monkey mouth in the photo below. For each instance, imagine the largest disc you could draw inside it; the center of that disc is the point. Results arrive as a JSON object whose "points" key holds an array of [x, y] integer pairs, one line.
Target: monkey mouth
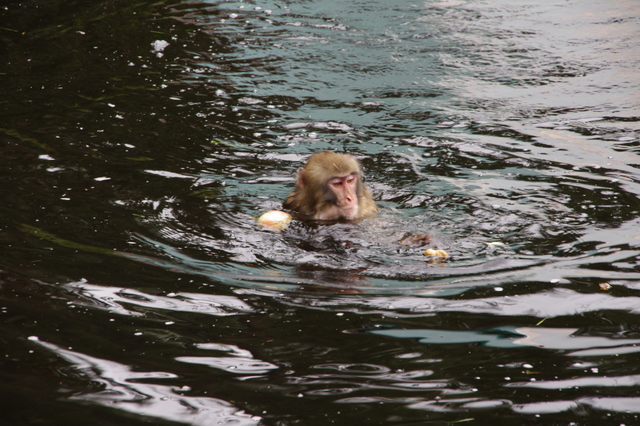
{"points": [[348, 212]]}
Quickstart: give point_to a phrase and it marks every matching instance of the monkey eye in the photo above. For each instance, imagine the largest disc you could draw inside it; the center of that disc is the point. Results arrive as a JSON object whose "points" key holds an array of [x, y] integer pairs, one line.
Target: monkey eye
{"points": [[351, 179], [336, 183]]}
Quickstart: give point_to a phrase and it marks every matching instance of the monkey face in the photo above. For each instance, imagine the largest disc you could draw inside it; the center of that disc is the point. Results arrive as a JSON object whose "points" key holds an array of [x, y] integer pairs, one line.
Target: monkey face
{"points": [[329, 187], [341, 198]]}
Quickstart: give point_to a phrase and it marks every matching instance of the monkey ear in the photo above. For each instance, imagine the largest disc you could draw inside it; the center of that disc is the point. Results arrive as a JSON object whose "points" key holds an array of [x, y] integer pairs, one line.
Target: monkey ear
{"points": [[300, 179]]}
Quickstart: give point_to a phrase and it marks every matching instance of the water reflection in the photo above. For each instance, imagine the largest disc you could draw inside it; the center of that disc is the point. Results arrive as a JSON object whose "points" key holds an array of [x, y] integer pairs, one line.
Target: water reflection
{"points": [[540, 337], [241, 361], [548, 303], [117, 299], [120, 387]]}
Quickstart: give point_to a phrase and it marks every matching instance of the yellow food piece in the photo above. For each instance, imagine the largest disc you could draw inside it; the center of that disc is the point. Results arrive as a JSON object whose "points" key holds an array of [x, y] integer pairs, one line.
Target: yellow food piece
{"points": [[274, 220], [435, 252]]}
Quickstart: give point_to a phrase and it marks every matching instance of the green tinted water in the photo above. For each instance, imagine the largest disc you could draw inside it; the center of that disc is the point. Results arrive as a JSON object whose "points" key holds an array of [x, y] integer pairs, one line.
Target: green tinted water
{"points": [[139, 141]]}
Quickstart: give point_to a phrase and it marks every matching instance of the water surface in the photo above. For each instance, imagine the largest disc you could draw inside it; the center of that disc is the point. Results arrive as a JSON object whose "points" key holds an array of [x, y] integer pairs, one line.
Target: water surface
{"points": [[139, 142]]}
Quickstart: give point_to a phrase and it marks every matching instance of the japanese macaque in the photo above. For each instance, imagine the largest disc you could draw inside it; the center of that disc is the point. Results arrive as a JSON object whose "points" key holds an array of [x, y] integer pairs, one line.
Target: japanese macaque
{"points": [[330, 187]]}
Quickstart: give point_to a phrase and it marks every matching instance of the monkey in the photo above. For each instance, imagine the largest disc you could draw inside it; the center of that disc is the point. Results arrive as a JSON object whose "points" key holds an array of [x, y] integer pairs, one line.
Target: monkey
{"points": [[330, 187]]}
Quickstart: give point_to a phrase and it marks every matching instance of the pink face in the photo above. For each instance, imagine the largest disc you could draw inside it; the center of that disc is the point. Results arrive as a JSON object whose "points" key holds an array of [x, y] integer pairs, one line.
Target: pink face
{"points": [[344, 190]]}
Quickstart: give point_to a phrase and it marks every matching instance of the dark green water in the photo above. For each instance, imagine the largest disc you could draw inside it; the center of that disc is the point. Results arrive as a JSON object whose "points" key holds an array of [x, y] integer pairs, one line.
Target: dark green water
{"points": [[138, 141]]}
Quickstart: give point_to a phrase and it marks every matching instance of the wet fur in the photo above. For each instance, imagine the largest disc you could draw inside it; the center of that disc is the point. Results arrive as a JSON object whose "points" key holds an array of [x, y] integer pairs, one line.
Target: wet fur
{"points": [[312, 196]]}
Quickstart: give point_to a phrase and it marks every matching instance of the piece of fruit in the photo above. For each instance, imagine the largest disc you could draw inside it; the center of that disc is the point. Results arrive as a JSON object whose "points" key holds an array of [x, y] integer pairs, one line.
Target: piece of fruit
{"points": [[275, 220], [435, 252]]}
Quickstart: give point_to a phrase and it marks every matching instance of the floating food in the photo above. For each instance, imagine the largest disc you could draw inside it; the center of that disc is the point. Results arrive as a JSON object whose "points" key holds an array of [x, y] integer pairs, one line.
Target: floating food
{"points": [[435, 253], [274, 220]]}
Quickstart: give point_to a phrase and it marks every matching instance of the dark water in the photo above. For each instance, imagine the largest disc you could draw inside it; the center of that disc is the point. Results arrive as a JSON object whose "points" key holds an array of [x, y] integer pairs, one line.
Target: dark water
{"points": [[140, 139]]}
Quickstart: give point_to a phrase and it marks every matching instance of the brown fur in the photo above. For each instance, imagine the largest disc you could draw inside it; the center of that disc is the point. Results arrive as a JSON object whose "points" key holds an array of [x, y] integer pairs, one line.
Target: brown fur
{"points": [[312, 195]]}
